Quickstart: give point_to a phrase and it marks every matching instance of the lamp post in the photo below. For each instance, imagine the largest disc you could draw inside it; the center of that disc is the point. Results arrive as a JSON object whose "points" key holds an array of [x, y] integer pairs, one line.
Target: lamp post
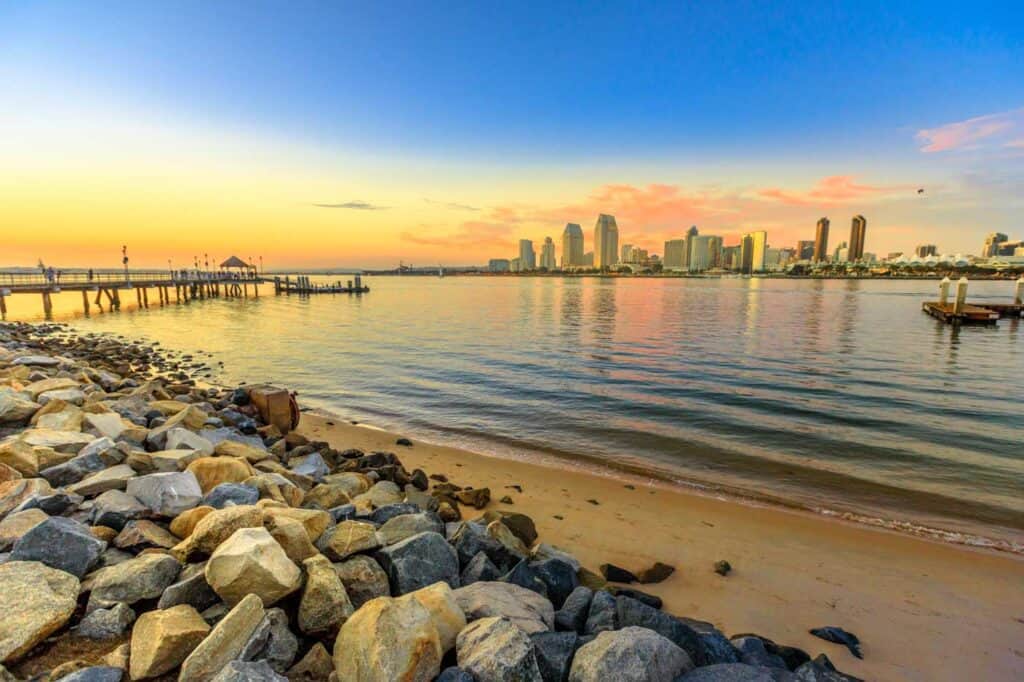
{"points": [[124, 260]]}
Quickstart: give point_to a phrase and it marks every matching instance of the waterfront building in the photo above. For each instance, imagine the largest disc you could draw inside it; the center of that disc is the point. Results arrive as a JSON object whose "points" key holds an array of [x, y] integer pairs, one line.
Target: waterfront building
{"points": [[821, 241], [705, 252], [547, 254], [498, 265], [527, 256], [992, 243], [858, 229], [805, 249], [572, 246], [922, 251], [753, 252], [626, 253], [675, 252], [606, 242], [731, 257], [840, 254], [515, 265], [588, 259]]}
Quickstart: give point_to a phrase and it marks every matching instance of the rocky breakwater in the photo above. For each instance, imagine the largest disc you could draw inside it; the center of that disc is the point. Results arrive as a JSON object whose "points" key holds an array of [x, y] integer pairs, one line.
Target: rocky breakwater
{"points": [[154, 529]]}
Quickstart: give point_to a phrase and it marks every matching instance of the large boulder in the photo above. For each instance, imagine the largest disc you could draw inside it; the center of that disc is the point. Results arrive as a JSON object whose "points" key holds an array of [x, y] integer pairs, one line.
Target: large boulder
{"points": [[248, 671], [231, 495], [632, 654], [139, 535], [363, 579], [13, 493], [35, 601], [191, 588], [632, 612], [525, 608], [555, 651], [216, 527], [17, 524], [106, 623], [292, 537], [16, 409], [315, 521], [272, 642], [572, 617], [212, 471], [144, 577], [388, 639], [404, 526], [225, 641], [494, 650], [182, 439], [61, 543], [162, 639], [439, 600], [115, 508], [167, 494], [251, 562], [348, 538], [740, 672], [325, 605], [114, 478], [418, 561]]}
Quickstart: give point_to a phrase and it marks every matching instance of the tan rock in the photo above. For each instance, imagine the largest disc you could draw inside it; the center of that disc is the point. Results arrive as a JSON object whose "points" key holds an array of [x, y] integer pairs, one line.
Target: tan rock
{"points": [[9, 474], [140, 534], [49, 408], [13, 493], [16, 525], [500, 532], [448, 618], [315, 666], [352, 482], [325, 605], [168, 408], [118, 658], [251, 562], [185, 522], [315, 521], [292, 537], [212, 471], [225, 641], [162, 639], [327, 496], [20, 456], [388, 639], [48, 457], [68, 419], [350, 537], [37, 388], [230, 448], [104, 533], [35, 601], [216, 527], [277, 487]]}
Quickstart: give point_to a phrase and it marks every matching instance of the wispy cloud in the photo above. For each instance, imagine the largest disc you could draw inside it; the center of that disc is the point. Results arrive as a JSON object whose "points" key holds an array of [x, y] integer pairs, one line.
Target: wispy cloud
{"points": [[356, 205], [831, 191], [455, 206], [993, 131]]}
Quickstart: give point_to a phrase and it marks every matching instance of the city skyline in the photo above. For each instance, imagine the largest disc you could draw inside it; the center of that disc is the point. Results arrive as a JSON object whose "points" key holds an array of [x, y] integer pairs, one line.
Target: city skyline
{"points": [[381, 139]]}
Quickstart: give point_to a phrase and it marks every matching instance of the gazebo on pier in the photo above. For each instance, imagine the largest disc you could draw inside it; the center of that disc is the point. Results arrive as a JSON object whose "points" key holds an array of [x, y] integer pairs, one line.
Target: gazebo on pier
{"points": [[236, 264]]}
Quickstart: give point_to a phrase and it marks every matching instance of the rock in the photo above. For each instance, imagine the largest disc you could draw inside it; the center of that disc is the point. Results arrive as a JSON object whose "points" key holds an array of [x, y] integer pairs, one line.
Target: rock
{"points": [[479, 568], [162, 639], [380, 494], [632, 654], [315, 521], [630, 612], [272, 642], [388, 639], [419, 561], [144, 577], [439, 600], [524, 575], [363, 579], [312, 465], [37, 360], [67, 419], [494, 650], [717, 648], [839, 636], [37, 388], [191, 417], [655, 574], [351, 483], [258, 671], [326, 496], [170, 460], [521, 525], [246, 451], [526, 609], [106, 623], [69, 396], [8, 473], [230, 495], [96, 673], [114, 478], [61, 441], [821, 670], [500, 532], [278, 488], [167, 494], [36, 601], [14, 493], [185, 522], [554, 652], [292, 537], [572, 617], [225, 641], [212, 471], [455, 674], [325, 605], [722, 567], [21, 457], [216, 527], [112, 425], [559, 577], [77, 468], [191, 588], [382, 515], [736, 672], [17, 524], [602, 615], [138, 535], [475, 497], [752, 651], [182, 439], [60, 543], [315, 666], [348, 538], [617, 574], [115, 508], [251, 562]]}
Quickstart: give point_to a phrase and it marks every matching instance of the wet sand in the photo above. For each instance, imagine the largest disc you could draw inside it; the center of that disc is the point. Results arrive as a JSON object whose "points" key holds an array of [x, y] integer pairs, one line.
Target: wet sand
{"points": [[923, 610]]}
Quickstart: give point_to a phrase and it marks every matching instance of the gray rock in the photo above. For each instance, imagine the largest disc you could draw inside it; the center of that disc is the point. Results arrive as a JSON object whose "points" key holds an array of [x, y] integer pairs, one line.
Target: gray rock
{"points": [[112, 478], [382, 515], [602, 614], [524, 575], [167, 494], [363, 579], [272, 642], [455, 674], [632, 612], [97, 673], [479, 568], [572, 617], [737, 672], [144, 577], [231, 494], [77, 468], [495, 650], [554, 652], [528, 610], [416, 562], [179, 438], [60, 543], [632, 654], [472, 538], [115, 508], [191, 589], [56, 504], [216, 436], [312, 465], [822, 670], [403, 526], [106, 623], [240, 671], [753, 652], [559, 577]]}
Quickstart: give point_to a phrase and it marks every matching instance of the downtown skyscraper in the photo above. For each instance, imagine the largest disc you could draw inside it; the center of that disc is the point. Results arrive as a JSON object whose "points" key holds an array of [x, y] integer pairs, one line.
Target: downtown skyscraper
{"points": [[527, 256], [572, 246], [547, 254], [606, 242], [821, 241], [858, 228]]}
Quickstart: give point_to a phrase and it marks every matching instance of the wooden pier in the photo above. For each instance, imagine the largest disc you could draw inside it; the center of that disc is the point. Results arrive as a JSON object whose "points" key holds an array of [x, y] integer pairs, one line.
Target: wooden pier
{"points": [[303, 286], [109, 287], [960, 311]]}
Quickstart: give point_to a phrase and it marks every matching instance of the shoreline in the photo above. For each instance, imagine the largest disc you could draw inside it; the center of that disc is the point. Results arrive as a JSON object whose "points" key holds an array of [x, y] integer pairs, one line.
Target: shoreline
{"points": [[913, 601]]}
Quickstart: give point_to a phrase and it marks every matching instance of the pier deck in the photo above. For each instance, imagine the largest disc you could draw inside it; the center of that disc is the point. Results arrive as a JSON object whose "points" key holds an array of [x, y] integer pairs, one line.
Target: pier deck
{"points": [[988, 313]]}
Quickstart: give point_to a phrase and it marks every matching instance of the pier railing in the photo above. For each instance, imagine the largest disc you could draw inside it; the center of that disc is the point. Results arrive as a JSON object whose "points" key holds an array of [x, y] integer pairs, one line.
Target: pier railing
{"points": [[39, 279]]}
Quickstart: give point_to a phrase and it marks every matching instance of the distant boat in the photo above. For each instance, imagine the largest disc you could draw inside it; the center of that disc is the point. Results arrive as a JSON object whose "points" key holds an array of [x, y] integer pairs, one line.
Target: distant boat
{"points": [[440, 271]]}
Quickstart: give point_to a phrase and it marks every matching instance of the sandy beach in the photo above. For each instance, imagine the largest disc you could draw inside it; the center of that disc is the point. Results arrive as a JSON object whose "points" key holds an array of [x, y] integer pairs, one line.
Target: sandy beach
{"points": [[923, 610]]}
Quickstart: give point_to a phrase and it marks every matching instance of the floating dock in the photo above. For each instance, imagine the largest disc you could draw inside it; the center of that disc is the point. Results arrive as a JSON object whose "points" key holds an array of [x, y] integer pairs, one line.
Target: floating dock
{"points": [[961, 312], [303, 286]]}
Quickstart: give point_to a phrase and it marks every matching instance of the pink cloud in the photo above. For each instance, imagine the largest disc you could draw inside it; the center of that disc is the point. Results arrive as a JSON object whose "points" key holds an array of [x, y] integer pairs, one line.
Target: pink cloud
{"points": [[830, 191], [973, 133]]}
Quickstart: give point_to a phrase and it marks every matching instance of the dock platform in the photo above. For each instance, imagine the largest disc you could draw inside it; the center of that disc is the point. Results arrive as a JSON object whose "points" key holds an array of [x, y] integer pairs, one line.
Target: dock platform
{"points": [[988, 313], [303, 286]]}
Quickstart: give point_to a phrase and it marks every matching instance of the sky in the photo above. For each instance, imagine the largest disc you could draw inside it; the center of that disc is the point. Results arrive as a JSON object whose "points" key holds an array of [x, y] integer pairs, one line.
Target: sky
{"points": [[364, 134]]}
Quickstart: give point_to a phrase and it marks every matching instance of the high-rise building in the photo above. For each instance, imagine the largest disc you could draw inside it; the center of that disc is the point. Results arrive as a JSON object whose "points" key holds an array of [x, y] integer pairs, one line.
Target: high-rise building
{"points": [[675, 250], [626, 253], [588, 259], [858, 228], [925, 250], [527, 256], [498, 265], [753, 251], [705, 252], [572, 246], [691, 234], [731, 257], [821, 241], [515, 265], [841, 253], [992, 244], [805, 249], [547, 254], [606, 242]]}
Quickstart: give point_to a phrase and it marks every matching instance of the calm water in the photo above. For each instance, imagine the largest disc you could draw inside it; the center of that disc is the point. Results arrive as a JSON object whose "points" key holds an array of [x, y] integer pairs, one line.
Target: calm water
{"points": [[834, 395]]}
